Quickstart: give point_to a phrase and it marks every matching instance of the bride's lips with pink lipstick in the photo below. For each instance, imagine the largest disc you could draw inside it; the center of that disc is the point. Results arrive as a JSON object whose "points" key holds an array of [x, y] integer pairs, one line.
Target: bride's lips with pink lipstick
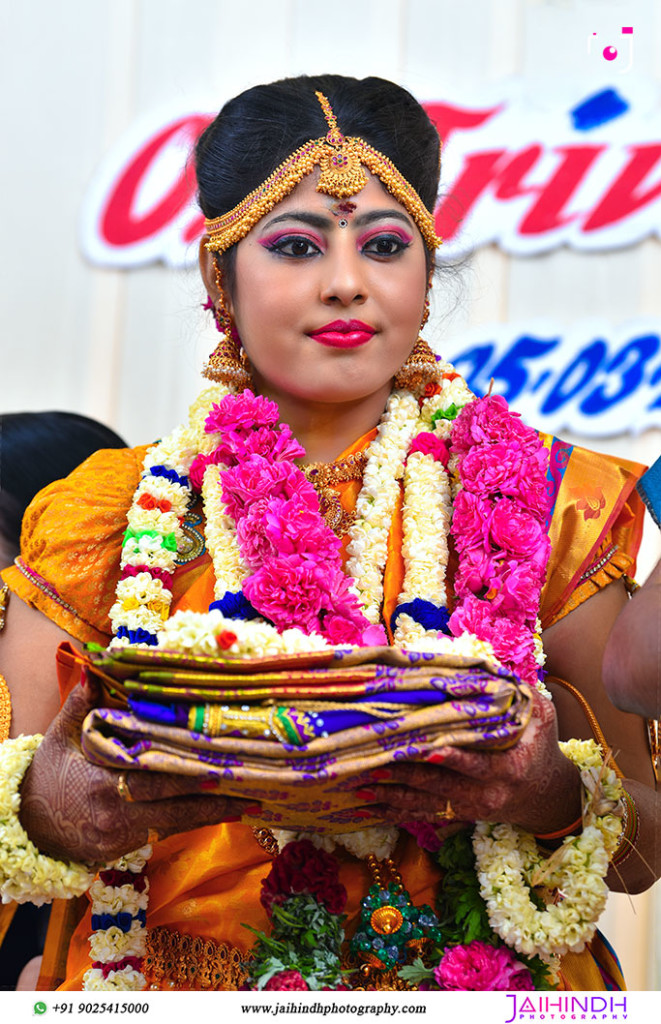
{"points": [[343, 334]]}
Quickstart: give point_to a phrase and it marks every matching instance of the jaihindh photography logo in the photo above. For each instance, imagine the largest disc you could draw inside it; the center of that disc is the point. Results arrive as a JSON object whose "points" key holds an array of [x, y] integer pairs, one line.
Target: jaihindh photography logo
{"points": [[556, 1007]]}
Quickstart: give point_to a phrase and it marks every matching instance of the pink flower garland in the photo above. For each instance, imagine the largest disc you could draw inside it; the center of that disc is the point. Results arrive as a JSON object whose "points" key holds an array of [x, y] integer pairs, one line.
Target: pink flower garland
{"points": [[499, 531], [294, 557]]}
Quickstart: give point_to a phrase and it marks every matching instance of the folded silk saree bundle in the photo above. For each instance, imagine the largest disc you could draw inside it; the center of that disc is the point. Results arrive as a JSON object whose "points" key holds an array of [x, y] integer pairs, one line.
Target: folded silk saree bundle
{"points": [[297, 733]]}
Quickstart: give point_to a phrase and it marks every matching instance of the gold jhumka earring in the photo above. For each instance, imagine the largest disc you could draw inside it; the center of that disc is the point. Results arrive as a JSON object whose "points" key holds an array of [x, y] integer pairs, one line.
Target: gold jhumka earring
{"points": [[420, 369], [228, 363], [421, 366]]}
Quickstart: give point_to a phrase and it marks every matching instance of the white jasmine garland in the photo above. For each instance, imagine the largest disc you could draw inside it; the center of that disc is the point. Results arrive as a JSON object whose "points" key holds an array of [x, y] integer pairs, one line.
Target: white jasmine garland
{"points": [[112, 944], [162, 489], [196, 632], [26, 874], [134, 861], [176, 451], [368, 546], [380, 840], [142, 588], [111, 899], [127, 980], [509, 863], [154, 519], [426, 521], [109, 946], [147, 551], [198, 413], [426, 516]]}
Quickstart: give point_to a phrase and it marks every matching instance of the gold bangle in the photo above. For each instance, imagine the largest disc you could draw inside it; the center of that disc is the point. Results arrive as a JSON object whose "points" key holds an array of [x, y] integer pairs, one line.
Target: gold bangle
{"points": [[4, 605], [5, 709], [630, 831]]}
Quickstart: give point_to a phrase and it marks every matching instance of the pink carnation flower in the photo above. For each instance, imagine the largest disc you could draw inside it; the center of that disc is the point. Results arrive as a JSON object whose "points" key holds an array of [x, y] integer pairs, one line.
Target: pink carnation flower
{"points": [[254, 544], [516, 589], [429, 444], [489, 420], [258, 478], [279, 444], [533, 493], [198, 467], [374, 636], [288, 590], [241, 411], [473, 615], [338, 629], [479, 571], [504, 468], [292, 526], [479, 967], [286, 981], [343, 620], [512, 642], [276, 445], [515, 530], [470, 521]]}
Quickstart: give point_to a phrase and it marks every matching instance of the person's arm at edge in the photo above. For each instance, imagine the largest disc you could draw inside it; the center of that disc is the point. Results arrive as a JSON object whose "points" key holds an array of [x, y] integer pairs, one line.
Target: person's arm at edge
{"points": [[574, 648], [632, 657]]}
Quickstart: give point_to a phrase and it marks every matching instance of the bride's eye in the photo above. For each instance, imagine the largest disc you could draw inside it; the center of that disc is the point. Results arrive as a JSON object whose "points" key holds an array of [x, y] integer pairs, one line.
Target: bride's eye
{"points": [[386, 245], [294, 245]]}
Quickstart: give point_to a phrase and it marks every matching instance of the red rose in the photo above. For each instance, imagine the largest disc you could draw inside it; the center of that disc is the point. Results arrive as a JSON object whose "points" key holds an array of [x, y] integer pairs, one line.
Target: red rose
{"points": [[299, 868]]}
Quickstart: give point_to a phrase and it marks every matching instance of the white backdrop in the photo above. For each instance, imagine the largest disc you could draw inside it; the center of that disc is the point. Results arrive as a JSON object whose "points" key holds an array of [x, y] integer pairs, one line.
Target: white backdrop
{"points": [[126, 345]]}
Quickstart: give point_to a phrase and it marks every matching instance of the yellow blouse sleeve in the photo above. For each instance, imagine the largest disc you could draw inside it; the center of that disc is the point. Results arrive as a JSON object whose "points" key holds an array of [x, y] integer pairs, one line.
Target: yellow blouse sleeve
{"points": [[71, 543]]}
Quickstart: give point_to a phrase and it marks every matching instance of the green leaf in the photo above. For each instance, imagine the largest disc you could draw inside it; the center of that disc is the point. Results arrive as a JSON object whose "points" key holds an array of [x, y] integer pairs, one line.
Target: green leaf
{"points": [[416, 972]]}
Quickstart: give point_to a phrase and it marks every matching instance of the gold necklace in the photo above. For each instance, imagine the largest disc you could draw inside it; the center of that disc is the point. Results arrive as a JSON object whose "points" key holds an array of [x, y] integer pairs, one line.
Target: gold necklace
{"points": [[324, 477]]}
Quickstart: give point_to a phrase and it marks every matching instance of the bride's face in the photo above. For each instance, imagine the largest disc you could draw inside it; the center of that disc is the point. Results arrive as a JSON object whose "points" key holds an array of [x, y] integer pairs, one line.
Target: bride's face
{"points": [[328, 294]]}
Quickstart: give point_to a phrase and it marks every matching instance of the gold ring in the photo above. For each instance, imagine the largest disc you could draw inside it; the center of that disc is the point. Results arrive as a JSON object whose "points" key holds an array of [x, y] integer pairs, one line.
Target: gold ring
{"points": [[123, 789], [446, 815]]}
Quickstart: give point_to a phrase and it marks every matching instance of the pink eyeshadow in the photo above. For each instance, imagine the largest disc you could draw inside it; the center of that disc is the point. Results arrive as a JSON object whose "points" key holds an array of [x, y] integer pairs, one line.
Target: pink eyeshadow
{"points": [[396, 231]]}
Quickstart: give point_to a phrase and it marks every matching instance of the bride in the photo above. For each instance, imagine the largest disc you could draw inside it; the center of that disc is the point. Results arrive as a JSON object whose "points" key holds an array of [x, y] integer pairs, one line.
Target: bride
{"points": [[318, 259]]}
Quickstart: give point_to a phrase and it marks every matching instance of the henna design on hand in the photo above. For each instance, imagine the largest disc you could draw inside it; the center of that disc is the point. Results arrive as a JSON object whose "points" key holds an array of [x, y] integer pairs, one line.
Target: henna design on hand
{"points": [[531, 784], [72, 809]]}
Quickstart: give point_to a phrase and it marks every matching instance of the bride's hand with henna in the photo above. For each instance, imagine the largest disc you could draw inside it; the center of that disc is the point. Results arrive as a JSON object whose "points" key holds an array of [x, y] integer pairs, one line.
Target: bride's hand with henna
{"points": [[73, 810], [531, 784]]}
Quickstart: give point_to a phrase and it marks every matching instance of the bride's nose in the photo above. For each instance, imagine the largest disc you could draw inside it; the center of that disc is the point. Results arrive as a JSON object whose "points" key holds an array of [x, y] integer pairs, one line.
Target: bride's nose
{"points": [[344, 274]]}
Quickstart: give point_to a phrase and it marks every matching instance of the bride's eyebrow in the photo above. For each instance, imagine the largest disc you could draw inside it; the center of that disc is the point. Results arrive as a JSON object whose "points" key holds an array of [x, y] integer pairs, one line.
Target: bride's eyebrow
{"points": [[388, 214], [313, 220]]}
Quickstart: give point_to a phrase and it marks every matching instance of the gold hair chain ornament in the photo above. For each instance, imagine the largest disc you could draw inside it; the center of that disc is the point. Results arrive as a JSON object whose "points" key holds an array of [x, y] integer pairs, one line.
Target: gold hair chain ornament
{"points": [[341, 161]]}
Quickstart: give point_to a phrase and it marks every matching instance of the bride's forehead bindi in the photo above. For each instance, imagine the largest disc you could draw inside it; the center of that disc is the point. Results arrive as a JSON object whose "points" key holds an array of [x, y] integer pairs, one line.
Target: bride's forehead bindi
{"points": [[343, 208]]}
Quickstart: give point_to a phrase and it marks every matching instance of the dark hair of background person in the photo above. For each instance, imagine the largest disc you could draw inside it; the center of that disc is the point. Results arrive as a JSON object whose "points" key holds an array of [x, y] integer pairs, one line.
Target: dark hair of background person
{"points": [[37, 448], [257, 130]]}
